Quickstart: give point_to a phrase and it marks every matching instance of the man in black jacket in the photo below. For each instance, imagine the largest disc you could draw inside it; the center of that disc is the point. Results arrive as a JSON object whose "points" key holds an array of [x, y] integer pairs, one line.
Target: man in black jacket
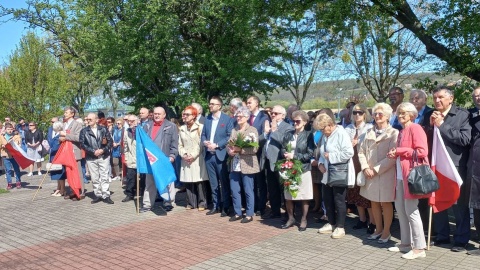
{"points": [[97, 142]]}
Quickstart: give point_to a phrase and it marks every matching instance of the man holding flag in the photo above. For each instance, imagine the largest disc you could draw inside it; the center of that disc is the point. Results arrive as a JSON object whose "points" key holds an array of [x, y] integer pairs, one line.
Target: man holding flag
{"points": [[158, 167], [454, 129]]}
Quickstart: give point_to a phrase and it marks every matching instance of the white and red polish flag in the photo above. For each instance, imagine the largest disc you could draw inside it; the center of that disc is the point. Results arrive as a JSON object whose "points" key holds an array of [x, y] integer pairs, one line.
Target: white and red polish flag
{"points": [[19, 155], [448, 177]]}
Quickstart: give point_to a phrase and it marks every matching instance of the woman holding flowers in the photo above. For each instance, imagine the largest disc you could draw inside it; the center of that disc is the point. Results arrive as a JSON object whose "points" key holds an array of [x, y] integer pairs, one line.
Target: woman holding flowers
{"points": [[242, 149], [301, 146]]}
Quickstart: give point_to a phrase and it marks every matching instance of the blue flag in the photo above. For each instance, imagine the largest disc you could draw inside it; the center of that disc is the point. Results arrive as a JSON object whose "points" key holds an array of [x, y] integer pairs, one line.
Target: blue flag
{"points": [[151, 160]]}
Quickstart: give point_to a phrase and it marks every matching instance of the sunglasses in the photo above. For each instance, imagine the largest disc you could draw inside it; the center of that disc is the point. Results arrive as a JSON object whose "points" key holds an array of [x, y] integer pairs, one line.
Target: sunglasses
{"points": [[186, 114], [297, 122], [378, 114], [275, 113], [358, 113]]}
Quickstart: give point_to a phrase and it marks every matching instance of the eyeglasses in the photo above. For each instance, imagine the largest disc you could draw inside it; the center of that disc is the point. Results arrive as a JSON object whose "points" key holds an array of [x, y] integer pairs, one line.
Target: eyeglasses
{"points": [[186, 114], [239, 115], [31, 125], [119, 123], [297, 122], [401, 113], [357, 113], [213, 104], [109, 122], [322, 128], [275, 113], [131, 121], [88, 119], [379, 114]]}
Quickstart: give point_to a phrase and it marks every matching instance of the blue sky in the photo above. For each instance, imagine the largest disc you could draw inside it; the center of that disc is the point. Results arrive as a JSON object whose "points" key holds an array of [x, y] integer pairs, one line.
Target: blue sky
{"points": [[10, 31]]}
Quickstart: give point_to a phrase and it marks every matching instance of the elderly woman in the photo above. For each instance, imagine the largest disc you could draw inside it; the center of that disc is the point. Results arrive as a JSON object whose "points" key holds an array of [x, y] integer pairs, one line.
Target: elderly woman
{"points": [[59, 175], [302, 145], [243, 167], [34, 138], [412, 139], [192, 170], [336, 150], [361, 120], [379, 171]]}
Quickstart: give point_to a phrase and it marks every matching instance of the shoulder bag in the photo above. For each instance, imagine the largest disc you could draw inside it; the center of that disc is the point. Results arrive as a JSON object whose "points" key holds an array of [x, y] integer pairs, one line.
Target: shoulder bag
{"points": [[337, 173], [421, 179]]}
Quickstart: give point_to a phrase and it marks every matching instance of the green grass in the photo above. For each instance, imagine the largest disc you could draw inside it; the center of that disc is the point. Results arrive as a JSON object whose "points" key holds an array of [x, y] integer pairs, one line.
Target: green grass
{"points": [[2, 190]]}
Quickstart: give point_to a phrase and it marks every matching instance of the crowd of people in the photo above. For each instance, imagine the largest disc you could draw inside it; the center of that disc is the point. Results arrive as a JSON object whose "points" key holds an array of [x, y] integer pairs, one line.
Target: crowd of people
{"points": [[227, 162]]}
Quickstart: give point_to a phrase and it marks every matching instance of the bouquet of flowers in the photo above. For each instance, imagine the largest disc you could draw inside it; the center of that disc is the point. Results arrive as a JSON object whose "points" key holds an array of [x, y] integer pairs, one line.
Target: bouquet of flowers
{"points": [[290, 174], [244, 141]]}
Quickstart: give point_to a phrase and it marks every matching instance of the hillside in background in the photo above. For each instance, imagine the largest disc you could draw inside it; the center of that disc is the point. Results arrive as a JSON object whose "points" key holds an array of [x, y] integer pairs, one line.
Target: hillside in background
{"points": [[328, 93]]}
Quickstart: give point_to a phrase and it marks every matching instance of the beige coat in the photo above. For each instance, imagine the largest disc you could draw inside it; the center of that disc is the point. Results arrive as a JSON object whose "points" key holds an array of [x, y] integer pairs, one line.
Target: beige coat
{"points": [[372, 153], [130, 149], [189, 143], [248, 158]]}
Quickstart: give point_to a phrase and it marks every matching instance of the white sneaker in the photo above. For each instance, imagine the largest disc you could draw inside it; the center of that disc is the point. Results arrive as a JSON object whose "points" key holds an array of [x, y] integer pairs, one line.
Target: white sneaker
{"points": [[30, 174], [327, 228], [338, 233], [39, 173], [410, 255], [399, 248]]}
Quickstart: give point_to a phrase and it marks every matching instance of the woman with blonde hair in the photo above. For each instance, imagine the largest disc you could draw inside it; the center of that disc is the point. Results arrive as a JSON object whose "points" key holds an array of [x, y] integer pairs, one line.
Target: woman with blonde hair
{"points": [[336, 150], [379, 171], [360, 124]]}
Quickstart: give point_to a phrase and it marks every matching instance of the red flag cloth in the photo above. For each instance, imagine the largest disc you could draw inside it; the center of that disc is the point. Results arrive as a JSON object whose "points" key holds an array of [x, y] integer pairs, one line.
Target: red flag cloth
{"points": [[447, 174], [66, 157], [19, 155]]}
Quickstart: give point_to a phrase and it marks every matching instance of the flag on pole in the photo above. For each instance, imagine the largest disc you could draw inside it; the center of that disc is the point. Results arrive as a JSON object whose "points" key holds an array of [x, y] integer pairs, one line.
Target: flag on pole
{"points": [[66, 157], [151, 160], [448, 177], [19, 155]]}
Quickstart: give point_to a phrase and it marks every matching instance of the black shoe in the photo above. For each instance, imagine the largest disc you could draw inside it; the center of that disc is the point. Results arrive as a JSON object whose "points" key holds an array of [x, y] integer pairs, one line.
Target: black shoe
{"points": [[168, 208], [360, 225], [302, 229], [160, 211], [127, 199], [246, 220], [441, 242], [288, 225], [371, 228], [223, 214], [108, 200], [144, 210], [234, 218], [458, 247], [96, 200], [211, 212], [258, 213]]}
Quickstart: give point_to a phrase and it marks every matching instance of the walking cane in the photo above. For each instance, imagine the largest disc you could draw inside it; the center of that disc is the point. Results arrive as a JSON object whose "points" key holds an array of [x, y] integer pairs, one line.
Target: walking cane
{"points": [[429, 227], [41, 183], [138, 193]]}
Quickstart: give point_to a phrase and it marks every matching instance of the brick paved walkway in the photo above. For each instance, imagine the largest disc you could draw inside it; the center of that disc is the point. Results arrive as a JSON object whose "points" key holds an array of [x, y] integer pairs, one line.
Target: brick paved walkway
{"points": [[51, 233]]}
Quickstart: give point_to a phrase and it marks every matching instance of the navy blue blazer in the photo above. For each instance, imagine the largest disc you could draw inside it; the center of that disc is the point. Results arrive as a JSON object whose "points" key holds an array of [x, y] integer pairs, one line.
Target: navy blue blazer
{"points": [[222, 134]]}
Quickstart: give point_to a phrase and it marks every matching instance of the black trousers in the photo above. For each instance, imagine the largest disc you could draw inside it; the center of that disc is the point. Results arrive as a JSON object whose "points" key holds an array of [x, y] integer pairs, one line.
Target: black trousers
{"points": [[274, 189], [196, 194], [260, 192], [334, 199], [131, 184]]}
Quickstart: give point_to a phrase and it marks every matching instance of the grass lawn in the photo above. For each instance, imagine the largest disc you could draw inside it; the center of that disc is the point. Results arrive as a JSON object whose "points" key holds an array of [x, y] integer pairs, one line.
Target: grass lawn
{"points": [[2, 190]]}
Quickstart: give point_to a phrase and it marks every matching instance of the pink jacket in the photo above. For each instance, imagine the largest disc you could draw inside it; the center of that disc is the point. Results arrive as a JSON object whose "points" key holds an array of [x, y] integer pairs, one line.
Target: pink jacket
{"points": [[410, 138]]}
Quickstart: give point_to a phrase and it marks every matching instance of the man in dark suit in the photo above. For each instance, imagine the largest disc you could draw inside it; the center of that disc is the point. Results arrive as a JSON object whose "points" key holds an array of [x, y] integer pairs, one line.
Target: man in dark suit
{"points": [[453, 124], [257, 120], [215, 136], [165, 135], [273, 140], [395, 96]]}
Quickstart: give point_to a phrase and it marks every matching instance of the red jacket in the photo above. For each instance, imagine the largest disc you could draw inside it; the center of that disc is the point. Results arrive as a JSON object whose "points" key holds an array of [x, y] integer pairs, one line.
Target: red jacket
{"points": [[410, 138]]}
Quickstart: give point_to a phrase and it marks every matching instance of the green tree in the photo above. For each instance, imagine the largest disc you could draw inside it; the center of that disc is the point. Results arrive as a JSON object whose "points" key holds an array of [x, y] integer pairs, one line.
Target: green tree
{"points": [[35, 82]]}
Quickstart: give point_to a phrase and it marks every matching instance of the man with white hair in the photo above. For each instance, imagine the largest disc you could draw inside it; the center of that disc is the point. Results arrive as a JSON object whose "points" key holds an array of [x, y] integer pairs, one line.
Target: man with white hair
{"points": [[419, 99], [272, 139], [165, 135], [130, 152], [200, 117], [96, 141], [235, 103]]}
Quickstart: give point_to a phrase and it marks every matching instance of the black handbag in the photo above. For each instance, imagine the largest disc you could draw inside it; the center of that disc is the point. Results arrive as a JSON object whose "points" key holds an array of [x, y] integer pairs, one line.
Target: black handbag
{"points": [[421, 179], [337, 173]]}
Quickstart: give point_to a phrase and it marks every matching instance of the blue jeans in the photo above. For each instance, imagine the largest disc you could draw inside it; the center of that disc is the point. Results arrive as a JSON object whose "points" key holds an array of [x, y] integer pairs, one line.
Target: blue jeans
{"points": [[238, 181], [10, 166], [462, 219], [83, 162]]}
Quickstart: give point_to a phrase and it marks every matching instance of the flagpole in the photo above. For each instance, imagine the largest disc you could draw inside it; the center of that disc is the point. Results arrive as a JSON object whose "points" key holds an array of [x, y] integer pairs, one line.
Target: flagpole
{"points": [[429, 227], [138, 193], [41, 183]]}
